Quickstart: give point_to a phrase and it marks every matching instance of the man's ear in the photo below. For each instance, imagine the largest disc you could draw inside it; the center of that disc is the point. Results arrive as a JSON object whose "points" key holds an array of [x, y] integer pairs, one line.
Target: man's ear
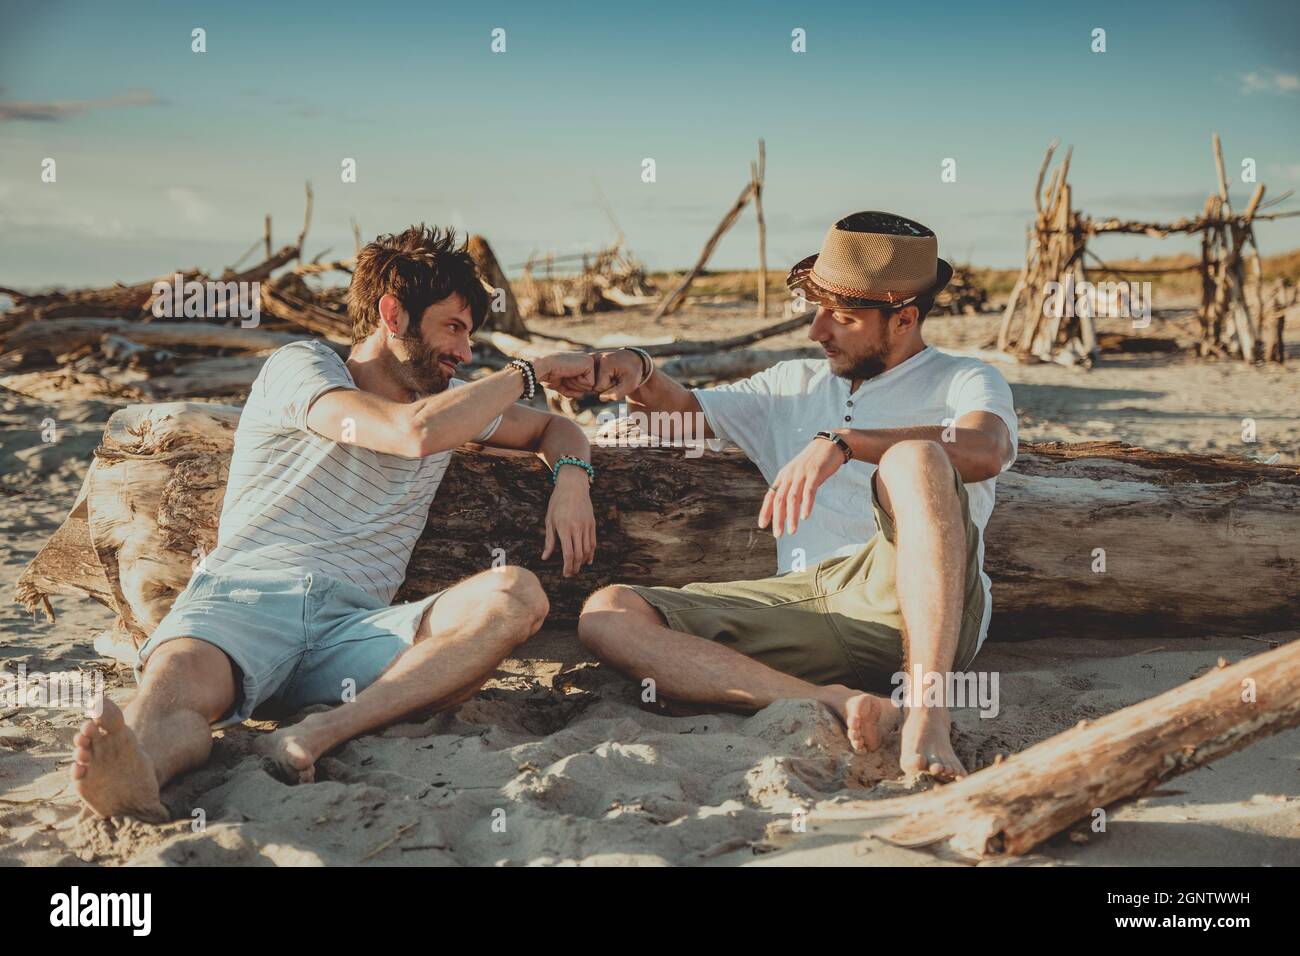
{"points": [[391, 314], [908, 317]]}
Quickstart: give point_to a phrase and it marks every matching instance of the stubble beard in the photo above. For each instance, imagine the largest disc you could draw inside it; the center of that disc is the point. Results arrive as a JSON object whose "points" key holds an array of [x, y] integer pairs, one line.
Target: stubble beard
{"points": [[415, 366]]}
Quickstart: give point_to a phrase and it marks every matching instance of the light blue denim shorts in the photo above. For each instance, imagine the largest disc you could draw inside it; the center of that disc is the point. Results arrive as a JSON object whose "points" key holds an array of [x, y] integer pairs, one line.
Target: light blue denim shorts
{"points": [[299, 637]]}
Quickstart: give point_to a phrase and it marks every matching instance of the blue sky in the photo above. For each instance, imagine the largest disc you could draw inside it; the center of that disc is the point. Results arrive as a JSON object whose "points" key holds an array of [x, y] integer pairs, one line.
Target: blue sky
{"points": [[168, 158]]}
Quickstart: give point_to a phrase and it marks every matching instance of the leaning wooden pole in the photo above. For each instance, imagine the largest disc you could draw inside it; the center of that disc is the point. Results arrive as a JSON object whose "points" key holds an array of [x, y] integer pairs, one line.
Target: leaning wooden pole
{"points": [[673, 300], [757, 172], [1012, 806]]}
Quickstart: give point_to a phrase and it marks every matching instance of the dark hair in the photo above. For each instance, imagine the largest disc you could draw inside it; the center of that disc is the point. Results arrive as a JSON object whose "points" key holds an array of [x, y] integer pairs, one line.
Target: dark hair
{"points": [[923, 303], [420, 266]]}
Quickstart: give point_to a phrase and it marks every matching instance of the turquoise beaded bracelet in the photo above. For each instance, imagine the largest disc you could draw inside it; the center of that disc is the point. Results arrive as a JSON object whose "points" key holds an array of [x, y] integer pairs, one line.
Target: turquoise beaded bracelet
{"points": [[570, 460]]}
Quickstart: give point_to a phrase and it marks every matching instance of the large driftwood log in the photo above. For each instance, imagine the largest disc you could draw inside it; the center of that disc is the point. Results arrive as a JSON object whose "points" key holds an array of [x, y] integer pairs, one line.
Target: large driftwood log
{"points": [[1012, 806], [1190, 545]]}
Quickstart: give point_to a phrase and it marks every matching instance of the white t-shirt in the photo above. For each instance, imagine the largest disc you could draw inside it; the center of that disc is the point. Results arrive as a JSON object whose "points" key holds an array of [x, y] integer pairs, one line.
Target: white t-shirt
{"points": [[773, 415], [296, 499]]}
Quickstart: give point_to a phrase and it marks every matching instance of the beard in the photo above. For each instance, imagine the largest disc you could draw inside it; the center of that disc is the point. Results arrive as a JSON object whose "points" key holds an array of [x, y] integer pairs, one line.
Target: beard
{"points": [[416, 366], [860, 367]]}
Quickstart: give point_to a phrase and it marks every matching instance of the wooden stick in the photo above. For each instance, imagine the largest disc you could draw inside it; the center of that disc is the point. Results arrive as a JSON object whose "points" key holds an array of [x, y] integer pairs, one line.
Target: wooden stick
{"points": [[1218, 168], [757, 174], [1042, 170], [673, 300], [306, 223], [1011, 807]]}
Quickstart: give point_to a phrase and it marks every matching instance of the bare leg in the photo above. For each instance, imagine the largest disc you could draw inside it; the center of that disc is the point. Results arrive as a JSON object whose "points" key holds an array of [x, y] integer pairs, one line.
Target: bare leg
{"points": [[123, 759], [915, 485], [462, 640], [623, 630]]}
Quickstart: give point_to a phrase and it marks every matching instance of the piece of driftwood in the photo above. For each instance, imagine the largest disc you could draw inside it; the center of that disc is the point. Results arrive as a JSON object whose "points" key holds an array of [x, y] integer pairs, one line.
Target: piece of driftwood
{"points": [[674, 299], [1012, 806], [757, 173], [734, 364], [61, 336], [690, 365], [542, 342], [1092, 539], [507, 320], [288, 298], [115, 359]]}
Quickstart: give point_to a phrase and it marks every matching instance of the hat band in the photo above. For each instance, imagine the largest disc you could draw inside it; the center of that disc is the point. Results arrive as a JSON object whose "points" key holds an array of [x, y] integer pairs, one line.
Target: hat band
{"points": [[891, 297]]}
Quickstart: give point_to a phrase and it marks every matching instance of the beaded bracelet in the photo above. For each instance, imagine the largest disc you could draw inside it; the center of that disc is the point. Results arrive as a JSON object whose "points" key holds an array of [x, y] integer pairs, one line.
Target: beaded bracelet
{"points": [[530, 376], [647, 364], [570, 460]]}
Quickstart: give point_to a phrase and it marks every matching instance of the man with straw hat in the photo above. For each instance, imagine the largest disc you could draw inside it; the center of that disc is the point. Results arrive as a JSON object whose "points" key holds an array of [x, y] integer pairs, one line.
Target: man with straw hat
{"points": [[881, 460]]}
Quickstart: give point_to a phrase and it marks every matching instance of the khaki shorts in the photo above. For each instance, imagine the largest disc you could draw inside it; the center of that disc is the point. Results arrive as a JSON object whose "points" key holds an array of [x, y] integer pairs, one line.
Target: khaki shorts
{"points": [[835, 623]]}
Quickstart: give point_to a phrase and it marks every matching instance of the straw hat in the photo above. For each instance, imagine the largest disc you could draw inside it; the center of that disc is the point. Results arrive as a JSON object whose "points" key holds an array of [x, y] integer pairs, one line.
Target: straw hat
{"points": [[872, 260]]}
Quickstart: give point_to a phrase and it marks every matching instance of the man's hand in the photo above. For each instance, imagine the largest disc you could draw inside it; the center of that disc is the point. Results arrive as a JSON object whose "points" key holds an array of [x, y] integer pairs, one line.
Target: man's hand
{"points": [[790, 499], [618, 374], [572, 374], [570, 520]]}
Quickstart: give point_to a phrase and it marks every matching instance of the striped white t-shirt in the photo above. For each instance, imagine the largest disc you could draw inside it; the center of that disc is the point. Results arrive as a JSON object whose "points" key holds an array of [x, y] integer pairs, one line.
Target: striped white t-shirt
{"points": [[297, 500]]}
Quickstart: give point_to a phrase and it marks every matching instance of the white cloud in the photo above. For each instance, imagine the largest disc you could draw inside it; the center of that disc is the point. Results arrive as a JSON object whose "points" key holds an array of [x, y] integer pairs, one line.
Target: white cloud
{"points": [[1270, 81], [191, 205]]}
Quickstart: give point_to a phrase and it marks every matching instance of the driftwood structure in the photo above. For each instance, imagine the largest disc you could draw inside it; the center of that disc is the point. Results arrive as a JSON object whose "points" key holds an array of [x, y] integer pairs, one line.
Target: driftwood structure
{"points": [[1009, 808], [1093, 539], [1044, 317], [609, 278]]}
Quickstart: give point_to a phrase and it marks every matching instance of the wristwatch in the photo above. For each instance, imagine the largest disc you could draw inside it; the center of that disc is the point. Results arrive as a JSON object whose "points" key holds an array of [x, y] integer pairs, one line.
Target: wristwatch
{"points": [[836, 439]]}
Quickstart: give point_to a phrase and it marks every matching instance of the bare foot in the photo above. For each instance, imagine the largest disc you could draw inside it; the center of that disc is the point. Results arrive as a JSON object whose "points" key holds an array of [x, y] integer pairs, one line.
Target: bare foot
{"points": [[112, 773], [926, 745], [292, 754], [868, 719]]}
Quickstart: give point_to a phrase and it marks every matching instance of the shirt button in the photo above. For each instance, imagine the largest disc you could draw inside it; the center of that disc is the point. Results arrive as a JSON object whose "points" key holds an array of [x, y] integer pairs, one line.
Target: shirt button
{"points": [[850, 403], [848, 418]]}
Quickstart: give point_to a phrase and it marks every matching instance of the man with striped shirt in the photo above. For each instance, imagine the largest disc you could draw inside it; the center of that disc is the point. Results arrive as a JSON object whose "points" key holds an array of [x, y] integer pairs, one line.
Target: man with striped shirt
{"points": [[334, 468]]}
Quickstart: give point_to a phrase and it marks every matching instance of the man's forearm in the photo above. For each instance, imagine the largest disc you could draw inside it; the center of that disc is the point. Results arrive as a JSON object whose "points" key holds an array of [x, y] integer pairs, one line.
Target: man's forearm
{"points": [[563, 437], [454, 416], [661, 393], [975, 454]]}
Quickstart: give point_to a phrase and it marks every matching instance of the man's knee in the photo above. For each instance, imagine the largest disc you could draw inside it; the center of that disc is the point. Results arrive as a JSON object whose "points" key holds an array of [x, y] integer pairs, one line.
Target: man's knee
{"points": [[195, 673], [909, 466], [603, 614], [907, 459], [186, 657], [515, 591]]}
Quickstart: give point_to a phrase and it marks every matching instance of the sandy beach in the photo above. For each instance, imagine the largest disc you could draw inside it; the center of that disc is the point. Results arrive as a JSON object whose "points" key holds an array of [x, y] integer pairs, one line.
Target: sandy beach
{"points": [[557, 761]]}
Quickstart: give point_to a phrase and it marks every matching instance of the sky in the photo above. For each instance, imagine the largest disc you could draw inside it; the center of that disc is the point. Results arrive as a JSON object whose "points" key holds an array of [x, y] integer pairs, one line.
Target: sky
{"points": [[168, 158]]}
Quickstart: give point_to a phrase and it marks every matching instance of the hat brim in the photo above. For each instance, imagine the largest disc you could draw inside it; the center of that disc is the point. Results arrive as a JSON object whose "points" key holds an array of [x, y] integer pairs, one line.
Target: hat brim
{"points": [[801, 278]]}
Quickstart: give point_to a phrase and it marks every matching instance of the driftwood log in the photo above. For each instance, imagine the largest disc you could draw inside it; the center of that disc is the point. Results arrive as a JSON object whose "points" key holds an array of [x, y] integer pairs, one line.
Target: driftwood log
{"points": [[508, 320], [1093, 539], [1010, 807]]}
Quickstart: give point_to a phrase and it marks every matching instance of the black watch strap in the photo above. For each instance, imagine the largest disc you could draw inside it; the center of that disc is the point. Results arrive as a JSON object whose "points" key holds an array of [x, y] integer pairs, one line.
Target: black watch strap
{"points": [[838, 440]]}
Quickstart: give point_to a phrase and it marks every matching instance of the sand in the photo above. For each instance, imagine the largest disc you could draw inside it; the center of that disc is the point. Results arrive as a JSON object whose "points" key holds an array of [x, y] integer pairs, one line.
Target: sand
{"points": [[558, 762]]}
